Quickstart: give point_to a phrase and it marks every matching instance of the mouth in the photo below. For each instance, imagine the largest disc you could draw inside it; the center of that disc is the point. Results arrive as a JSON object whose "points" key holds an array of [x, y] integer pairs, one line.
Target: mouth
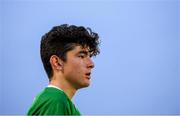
{"points": [[88, 75]]}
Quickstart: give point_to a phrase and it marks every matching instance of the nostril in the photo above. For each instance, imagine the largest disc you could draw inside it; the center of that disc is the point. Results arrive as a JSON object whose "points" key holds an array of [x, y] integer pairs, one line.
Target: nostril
{"points": [[90, 63], [88, 74], [92, 66]]}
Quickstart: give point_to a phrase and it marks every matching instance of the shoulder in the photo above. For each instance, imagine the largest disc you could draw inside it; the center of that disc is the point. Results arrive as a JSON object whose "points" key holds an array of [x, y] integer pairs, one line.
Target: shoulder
{"points": [[54, 95], [50, 102]]}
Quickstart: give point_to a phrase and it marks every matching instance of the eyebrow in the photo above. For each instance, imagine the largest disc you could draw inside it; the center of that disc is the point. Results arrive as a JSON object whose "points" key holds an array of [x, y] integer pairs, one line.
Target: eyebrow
{"points": [[84, 52]]}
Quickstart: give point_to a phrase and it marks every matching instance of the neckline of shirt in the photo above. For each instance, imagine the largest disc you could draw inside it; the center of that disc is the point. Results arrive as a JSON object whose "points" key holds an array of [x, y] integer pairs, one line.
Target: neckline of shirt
{"points": [[53, 86]]}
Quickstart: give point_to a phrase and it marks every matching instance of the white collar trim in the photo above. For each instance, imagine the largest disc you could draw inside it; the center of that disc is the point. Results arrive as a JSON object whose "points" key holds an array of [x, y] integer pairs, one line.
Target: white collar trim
{"points": [[53, 86]]}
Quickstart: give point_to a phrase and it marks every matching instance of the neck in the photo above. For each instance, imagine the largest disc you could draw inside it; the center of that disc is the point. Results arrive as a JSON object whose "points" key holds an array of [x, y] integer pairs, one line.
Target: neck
{"points": [[64, 85]]}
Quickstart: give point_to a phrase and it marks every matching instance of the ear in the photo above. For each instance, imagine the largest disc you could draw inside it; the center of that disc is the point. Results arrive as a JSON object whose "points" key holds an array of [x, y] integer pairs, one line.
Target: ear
{"points": [[56, 62]]}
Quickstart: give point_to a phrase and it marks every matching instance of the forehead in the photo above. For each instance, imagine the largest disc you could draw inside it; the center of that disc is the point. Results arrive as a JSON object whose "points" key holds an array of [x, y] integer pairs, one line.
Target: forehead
{"points": [[79, 48]]}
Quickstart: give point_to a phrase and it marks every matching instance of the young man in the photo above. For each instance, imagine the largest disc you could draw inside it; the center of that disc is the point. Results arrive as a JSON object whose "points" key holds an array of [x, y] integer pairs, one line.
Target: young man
{"points": [[66, 52]]}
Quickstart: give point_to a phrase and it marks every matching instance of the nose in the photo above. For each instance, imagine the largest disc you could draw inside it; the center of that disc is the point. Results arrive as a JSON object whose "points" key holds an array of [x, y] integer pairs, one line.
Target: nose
{"points": [[90, 63]]}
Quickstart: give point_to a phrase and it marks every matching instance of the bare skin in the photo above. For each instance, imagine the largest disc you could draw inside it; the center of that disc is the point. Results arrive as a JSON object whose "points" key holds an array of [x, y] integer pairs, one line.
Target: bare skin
{"points": [[74, 73]]}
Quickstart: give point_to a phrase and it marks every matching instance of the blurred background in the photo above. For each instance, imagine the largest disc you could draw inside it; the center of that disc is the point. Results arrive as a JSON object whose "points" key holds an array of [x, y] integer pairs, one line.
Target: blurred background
{"points": [[137, 72]]}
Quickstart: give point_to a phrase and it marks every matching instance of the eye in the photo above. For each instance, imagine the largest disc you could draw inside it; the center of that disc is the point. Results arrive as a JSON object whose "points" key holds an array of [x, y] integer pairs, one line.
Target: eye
{"points": [[81, 56], [90, 55]]}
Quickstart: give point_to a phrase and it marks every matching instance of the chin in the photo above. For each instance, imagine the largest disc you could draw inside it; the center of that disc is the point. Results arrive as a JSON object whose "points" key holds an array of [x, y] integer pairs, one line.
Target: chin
{"points": [[84, 85]]}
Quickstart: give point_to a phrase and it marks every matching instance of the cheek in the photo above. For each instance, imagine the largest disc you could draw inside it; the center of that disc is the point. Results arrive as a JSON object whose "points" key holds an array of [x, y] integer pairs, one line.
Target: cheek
{"points": [[77, 63], [74, 67]]}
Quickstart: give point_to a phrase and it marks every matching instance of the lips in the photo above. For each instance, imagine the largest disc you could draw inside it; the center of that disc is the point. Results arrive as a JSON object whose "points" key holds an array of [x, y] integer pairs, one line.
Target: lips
{"points": [[88, 75]]}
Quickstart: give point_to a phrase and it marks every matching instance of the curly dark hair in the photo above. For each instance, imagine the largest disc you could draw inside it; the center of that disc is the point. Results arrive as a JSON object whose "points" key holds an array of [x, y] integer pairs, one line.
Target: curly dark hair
{"points": [[61, 39]]}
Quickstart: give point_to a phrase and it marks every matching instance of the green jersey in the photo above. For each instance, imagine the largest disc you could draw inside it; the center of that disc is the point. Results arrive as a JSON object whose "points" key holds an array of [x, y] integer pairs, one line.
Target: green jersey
{"points": [[52, 101]]}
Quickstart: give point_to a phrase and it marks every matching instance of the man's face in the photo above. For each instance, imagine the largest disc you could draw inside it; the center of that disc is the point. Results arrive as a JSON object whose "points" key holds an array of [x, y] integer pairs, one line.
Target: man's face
{"points": [[77, 68]]}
